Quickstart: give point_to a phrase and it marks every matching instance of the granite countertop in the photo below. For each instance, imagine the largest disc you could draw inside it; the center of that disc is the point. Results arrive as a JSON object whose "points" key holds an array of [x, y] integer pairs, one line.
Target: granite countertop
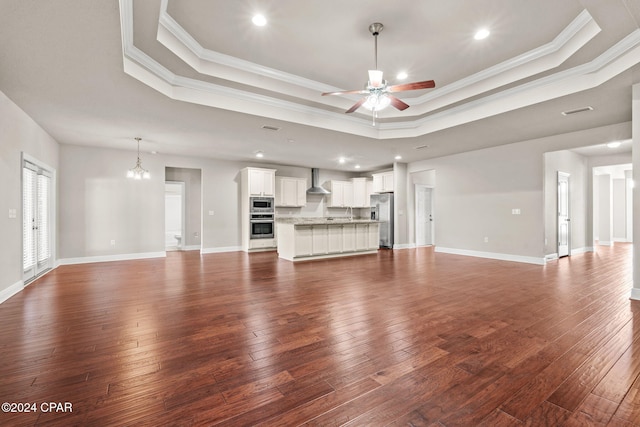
{"points": [[324, 220]]}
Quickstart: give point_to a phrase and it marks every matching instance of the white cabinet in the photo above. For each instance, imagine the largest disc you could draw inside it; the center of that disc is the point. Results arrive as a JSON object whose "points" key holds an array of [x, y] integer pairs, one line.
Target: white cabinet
{"points": [[341, 194], [291, 192], [319, 240], [261, 182], [348, 237], [262, 243], [360, 194], [334, 239], [304, 240], [362, 237], [383, 182], [300, 241]]}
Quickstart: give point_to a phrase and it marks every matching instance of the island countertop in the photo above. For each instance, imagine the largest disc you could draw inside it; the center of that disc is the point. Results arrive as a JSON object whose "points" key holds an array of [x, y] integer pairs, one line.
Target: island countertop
{"points": [[324, 221]]}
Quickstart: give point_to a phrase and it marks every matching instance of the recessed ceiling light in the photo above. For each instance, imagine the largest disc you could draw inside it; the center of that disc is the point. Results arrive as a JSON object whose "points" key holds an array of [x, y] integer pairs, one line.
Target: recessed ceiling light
{"points": [[402, 75], [482, 33], [357, 166], [398, 157], [341, 160], [259, 154], [614, 144], [259, 20]]}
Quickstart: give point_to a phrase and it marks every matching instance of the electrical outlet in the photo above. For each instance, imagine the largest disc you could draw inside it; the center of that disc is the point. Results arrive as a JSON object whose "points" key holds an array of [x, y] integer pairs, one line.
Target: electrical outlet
{"points": [[486, 240], [113, 242], [211, 213], [515, 211]]}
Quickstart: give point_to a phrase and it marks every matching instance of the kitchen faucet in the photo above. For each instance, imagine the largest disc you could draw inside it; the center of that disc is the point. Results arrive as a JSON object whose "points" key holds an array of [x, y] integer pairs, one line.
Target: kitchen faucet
{"points": [[349, 212]]}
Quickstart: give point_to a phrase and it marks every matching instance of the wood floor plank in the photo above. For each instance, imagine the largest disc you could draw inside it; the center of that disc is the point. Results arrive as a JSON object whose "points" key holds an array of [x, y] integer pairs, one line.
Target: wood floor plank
{"points": [[409, 337]]}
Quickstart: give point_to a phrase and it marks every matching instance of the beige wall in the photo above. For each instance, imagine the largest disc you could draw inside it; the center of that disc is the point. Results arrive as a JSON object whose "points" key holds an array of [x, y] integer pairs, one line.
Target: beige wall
{"points": [[18, 134]]}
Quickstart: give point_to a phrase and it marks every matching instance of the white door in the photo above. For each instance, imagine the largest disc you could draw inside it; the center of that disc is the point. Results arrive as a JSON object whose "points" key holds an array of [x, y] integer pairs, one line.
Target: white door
{"points": [[36, 220], [564, 224], [424, 215]]}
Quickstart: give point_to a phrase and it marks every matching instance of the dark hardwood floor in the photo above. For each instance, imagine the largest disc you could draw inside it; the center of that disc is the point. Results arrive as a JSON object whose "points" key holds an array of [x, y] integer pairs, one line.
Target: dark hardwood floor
{"points": [[405, 337]]}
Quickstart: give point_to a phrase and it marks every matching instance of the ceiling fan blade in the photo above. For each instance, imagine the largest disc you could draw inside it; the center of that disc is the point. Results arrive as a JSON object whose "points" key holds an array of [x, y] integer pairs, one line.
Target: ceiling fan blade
{"points": [[356, 106], [397, 103], [427, 84], [346, 92]]}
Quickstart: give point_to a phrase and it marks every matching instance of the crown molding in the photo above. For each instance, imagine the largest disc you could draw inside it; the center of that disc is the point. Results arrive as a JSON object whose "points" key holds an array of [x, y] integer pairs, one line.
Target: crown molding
{"points": [[618, 58], [177, 39]]}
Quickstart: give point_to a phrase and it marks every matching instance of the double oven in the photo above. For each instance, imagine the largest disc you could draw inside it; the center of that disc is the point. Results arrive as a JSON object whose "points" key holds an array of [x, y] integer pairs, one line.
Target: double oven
{"points": [[261, 217]]}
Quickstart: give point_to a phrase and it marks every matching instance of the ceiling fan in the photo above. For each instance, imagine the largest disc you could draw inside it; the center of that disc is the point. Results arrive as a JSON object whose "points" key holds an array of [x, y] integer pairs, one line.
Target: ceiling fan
{"points": [[377, 91]]}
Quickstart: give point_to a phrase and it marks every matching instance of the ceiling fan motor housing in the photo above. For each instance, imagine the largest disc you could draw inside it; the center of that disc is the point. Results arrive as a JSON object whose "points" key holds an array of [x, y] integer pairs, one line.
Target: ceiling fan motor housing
{"points": [[375, 28]]}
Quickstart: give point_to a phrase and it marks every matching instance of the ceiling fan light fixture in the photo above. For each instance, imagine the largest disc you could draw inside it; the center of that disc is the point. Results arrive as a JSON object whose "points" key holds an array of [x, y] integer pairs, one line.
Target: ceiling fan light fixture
{"points": [[375, 78], [376, 102]]}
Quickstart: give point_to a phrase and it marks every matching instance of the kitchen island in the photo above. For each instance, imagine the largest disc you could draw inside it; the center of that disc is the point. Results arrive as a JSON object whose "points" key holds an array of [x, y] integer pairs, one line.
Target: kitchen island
{"points": [[302, 239]]}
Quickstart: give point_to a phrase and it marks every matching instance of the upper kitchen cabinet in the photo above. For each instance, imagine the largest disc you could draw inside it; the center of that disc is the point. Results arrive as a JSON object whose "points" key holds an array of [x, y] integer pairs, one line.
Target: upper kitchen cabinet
{"points": [[361, 191], [291, 192], [261, 181], [341, 194], [383, 182]]}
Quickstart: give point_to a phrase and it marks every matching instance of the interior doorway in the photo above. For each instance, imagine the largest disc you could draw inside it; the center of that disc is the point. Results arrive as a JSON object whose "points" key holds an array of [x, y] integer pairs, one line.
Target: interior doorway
{"points": [[564, 225], [174, 215], [424, 215]]}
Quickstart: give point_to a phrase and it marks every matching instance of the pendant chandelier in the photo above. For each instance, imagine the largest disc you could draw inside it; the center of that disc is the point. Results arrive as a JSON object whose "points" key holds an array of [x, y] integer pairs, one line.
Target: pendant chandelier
{"points": [[138, 172]]}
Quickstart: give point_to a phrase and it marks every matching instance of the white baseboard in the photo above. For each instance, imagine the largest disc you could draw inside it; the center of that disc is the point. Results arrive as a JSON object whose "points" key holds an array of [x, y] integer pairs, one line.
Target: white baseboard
{"points": [[551, 257], [621, 240], [581, 250], [108, 258], [405, 246], [7, 293], [191, 248], [221, 249], [493, 255], [635, 294], [605, 243]]}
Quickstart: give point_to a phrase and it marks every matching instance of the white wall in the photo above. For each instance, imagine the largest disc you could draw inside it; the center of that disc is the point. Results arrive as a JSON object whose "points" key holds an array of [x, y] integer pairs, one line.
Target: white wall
{"points": [[605, 210], [476, 192], [619, 214], [18, 133]]}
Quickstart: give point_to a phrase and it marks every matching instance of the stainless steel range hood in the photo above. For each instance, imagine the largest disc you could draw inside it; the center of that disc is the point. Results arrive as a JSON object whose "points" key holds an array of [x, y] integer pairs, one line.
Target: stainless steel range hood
{"points": [[315, 184]]}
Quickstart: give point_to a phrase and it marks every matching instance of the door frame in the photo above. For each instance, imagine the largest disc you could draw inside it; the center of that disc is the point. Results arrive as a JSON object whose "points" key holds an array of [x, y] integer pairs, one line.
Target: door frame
{"points": [[30, 275], [183, 208], [568, 202], [417, 188]]}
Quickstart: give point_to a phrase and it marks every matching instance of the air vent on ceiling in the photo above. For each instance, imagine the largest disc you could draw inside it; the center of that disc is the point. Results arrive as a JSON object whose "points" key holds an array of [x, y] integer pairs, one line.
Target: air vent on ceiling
{"points": [[577, 110], [420, 147], [267, 127]]}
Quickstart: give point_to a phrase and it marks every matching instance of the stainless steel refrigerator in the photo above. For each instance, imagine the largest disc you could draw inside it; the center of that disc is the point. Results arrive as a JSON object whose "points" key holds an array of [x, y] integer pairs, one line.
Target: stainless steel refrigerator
{"points": [[382, 210]]}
